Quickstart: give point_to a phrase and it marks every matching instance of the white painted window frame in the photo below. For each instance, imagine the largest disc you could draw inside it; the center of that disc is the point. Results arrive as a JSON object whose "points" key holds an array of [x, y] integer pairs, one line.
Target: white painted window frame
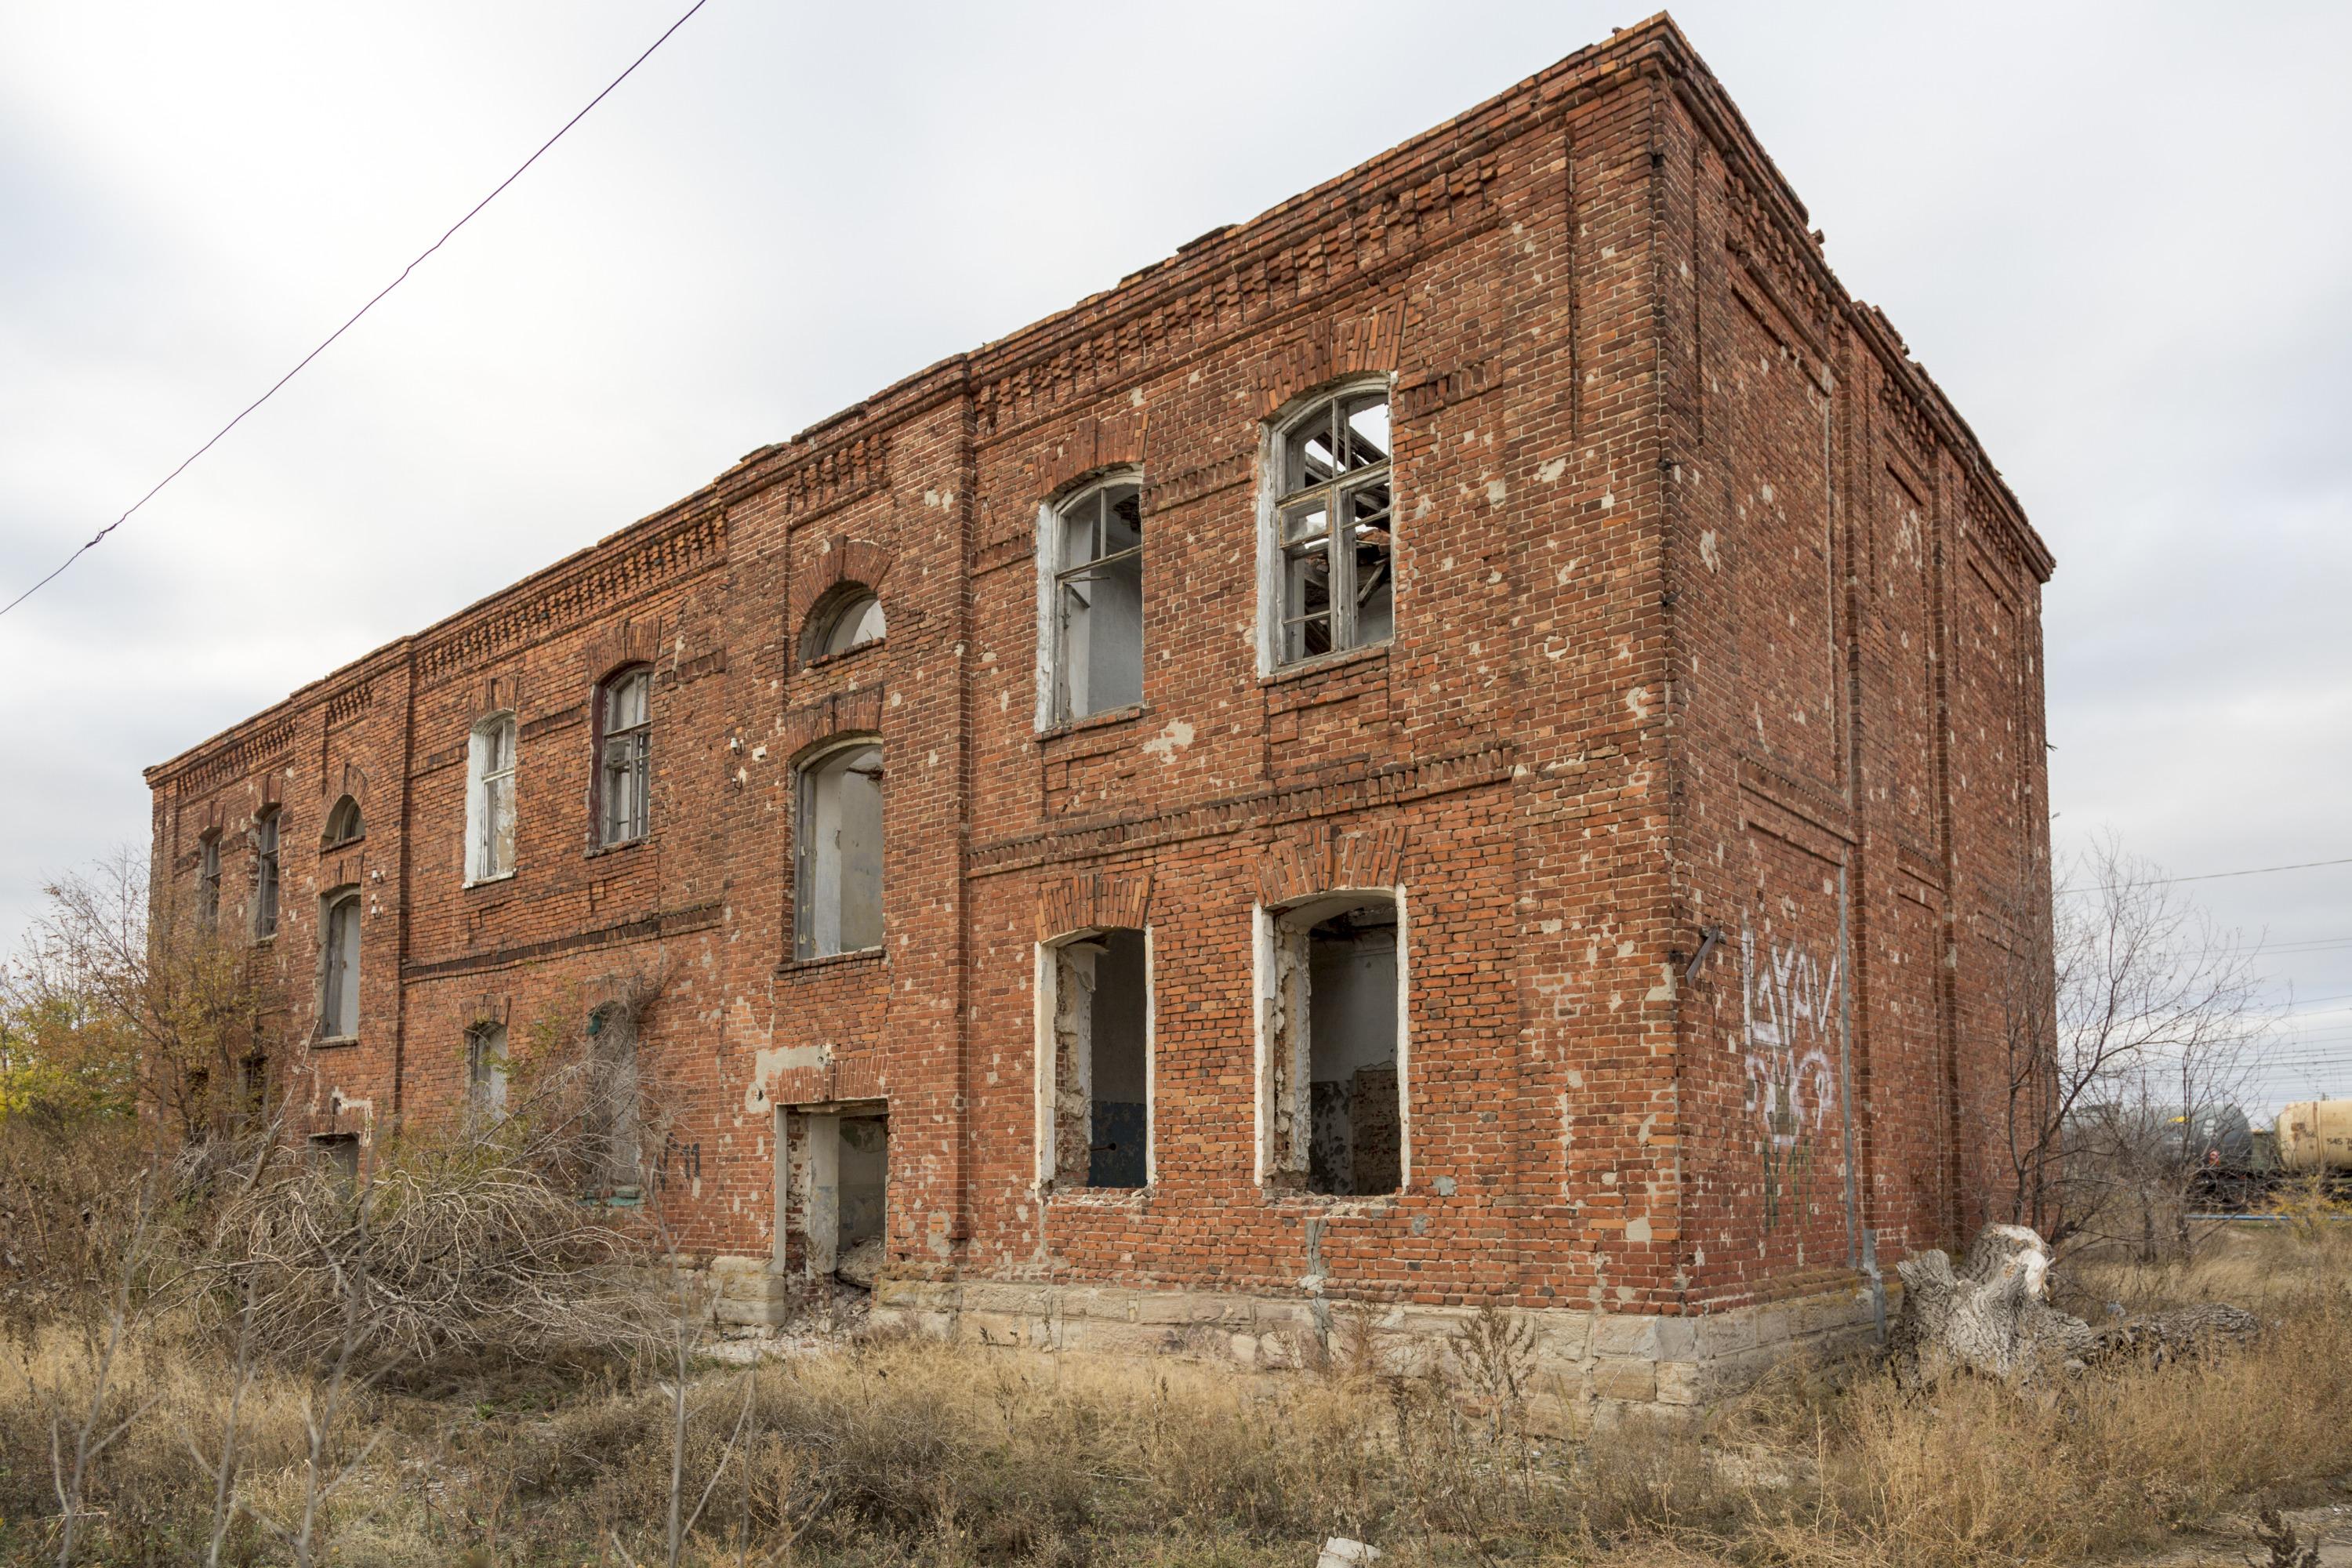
{"points": [[478, 778], [805, 847], [1044, 1055], [1266, 928], [1050, 567], [1271, 488]]}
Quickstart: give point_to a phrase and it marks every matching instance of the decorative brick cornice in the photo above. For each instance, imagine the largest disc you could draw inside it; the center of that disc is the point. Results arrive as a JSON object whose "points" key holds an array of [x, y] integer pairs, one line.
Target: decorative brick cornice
{"points": [[596, 587], [236, 760]]}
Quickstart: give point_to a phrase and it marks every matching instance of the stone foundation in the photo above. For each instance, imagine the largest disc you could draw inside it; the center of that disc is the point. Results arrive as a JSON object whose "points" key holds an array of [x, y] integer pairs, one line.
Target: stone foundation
{"points": [[1587, 1365]]}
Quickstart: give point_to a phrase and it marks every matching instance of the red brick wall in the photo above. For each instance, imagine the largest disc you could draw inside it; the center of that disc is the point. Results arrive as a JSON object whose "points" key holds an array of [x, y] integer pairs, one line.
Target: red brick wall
{"points": [[1698, 604]]}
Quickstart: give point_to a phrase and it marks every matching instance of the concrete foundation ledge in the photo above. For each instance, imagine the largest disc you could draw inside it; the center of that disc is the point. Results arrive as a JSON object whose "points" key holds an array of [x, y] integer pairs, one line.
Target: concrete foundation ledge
{"points": [[1589, 1364]]}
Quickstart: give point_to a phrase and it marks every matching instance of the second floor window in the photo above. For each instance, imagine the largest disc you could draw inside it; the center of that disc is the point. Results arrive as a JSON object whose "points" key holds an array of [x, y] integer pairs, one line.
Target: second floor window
{"points": [[1332, 528], [625, 755], [1094, 561], [339, 967], [838, 837], [264, 876], [489, 799], [208, 881]]}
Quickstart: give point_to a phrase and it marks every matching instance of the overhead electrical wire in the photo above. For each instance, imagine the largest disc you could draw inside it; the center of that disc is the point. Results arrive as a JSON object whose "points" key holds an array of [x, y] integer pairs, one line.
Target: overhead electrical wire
{"points": [[2205, 876], [95, 539]]}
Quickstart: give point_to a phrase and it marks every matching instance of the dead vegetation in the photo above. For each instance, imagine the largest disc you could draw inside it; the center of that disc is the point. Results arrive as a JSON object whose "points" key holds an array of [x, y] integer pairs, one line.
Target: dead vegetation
{"points": [[896, 1451]]}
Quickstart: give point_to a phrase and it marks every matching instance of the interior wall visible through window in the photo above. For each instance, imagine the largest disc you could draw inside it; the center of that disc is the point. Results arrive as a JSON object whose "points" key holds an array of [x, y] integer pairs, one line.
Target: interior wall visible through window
{"points": [[1093, 556], [1095, 1059], [837, 835], [1333, 528], [1332, 1059]]}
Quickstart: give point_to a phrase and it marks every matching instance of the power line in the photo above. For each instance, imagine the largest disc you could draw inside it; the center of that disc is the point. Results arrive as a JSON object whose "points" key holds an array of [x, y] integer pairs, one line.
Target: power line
{"points": [[2207, 877], [96, 537]]}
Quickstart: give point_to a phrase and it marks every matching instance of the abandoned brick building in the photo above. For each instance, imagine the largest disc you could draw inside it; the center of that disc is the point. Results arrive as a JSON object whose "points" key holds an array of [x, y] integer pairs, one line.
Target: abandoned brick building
{"points": [[1475, 738]]}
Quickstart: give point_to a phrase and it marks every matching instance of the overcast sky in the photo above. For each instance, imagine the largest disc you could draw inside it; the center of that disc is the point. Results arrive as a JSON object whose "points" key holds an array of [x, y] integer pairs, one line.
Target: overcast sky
{"points": [[2117, 236]]}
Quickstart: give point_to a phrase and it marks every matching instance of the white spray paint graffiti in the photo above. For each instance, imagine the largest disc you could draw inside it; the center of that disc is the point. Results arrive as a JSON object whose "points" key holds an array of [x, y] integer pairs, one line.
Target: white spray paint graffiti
{"points": [[1789, 1010]]}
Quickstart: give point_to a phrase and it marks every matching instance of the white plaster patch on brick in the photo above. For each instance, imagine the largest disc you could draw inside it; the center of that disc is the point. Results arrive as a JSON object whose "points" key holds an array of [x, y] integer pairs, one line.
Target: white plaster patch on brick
{"points": [[1638, 1228], [1709, 551], [1637, 702], [1496, 492], [1175, 738], [1550, 473], [771, 1060]]}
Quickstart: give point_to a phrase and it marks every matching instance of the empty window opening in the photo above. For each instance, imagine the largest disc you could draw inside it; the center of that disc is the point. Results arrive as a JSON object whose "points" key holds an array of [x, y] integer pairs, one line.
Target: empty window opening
{"points": [[1332, 522], [624, 753], [344, 825], [832, 1191], [208, 878], [489, 799], [264, 876], [849, 617], [1095, 1064], [338, 1154], [252, 1088], [485, 1070], [1333, 1062], [1095, 556], [838, 877], [339, 959]]}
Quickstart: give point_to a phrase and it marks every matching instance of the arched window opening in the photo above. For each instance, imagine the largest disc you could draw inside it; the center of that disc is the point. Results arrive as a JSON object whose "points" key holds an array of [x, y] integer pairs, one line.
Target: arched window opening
{"points": [[265, 875], [1332, 527], [1092, 553], [848, 618], [837, 876], [489, 799], [344, 825], [624, 753], [339, 967]]}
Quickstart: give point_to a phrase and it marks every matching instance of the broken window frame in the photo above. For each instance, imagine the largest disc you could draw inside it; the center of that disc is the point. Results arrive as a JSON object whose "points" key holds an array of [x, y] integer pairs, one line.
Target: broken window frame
{"points": [[1064, 1110], [490, 758], [1063, 582], [624, 756], [1344, 522], [840, 755], [208, 881], [267, 866], [1284, 1032], [339, 967], [847, 618]]}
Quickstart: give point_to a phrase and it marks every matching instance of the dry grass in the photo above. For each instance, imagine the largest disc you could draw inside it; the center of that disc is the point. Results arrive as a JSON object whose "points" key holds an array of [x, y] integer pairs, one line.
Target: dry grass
{"points": [[899, 1451]]}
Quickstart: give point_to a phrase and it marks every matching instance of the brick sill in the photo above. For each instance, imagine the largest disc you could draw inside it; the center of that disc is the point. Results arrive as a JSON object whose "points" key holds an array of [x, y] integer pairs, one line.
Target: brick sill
{"points": [[1369, 1205], [594, 850], [1098, 1197], [1105, 720], [861, 955], [834, 660], [1322, 663], [335, 1043]]}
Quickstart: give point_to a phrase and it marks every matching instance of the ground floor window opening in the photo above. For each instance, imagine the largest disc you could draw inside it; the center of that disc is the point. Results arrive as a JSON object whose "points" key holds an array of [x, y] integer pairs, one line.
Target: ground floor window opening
{"points": [[1333, 1031], [1095, 1060]]}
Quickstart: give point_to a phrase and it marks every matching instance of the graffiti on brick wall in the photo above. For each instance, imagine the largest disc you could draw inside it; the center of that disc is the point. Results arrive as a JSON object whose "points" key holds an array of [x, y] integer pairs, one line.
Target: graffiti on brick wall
{"points": [[1788, 1001]]}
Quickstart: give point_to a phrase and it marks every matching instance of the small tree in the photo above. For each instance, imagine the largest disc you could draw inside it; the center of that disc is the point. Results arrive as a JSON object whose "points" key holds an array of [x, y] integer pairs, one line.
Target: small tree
{"points": [[2125, 1031]]}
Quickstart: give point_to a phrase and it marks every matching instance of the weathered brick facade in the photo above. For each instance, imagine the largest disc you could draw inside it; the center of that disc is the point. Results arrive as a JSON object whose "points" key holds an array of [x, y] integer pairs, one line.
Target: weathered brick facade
{"points": [[1713, 630]]}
